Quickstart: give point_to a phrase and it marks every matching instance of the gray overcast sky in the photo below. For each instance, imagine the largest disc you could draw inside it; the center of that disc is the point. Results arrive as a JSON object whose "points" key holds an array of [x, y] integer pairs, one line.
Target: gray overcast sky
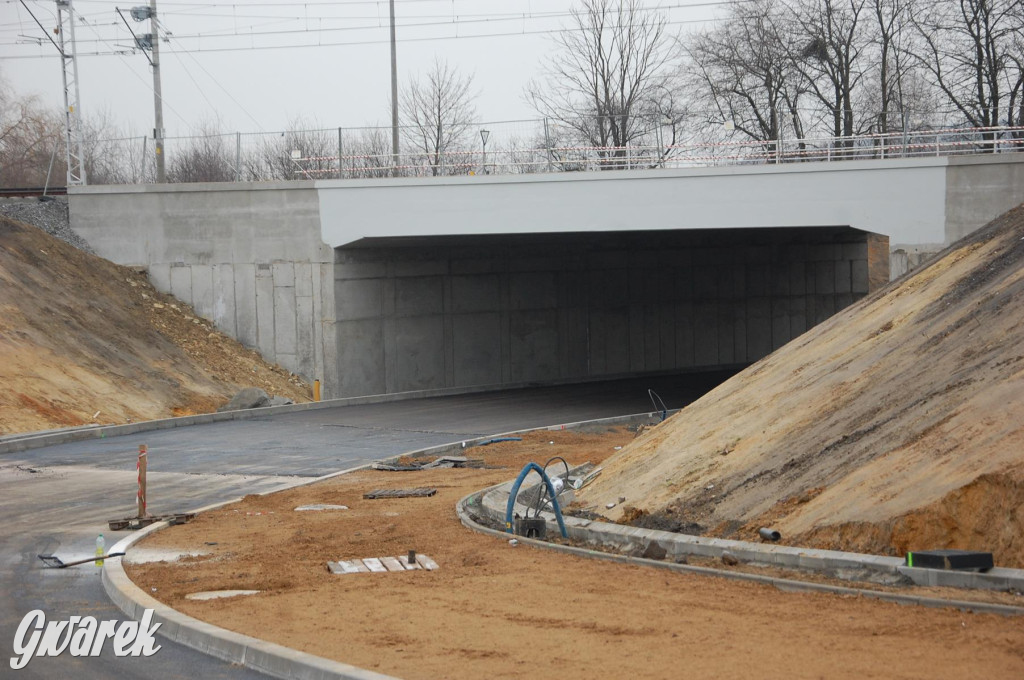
{"points": [[240, 63]]}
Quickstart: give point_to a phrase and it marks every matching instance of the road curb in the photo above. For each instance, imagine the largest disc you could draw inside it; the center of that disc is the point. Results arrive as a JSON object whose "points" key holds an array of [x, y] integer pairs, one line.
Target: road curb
{"points": [[34, 440], [788, 585], [272, 659]]}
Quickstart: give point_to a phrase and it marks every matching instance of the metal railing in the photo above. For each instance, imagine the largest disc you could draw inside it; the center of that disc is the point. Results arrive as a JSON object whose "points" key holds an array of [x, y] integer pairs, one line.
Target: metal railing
{"points": [[513, 147]]}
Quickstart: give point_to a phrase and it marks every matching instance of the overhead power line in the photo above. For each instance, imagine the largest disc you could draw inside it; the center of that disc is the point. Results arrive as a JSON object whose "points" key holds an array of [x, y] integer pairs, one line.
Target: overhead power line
{"points": [[442, 22], [354, 43]]}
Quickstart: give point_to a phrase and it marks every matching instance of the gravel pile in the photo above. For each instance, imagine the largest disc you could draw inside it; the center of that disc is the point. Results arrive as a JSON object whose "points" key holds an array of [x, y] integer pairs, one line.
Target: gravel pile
{"points": [[50, 216]]}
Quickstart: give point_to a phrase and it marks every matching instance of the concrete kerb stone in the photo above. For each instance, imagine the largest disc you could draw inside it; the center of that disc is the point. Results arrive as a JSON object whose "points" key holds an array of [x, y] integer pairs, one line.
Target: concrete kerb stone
{"points": [[493, 505], [266, 657], [786, 585], [272, 659]]}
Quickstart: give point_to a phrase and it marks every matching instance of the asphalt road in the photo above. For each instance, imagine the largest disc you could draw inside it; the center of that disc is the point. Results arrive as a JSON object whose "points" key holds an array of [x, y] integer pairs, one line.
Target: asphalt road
{"points": [[57, 499]]}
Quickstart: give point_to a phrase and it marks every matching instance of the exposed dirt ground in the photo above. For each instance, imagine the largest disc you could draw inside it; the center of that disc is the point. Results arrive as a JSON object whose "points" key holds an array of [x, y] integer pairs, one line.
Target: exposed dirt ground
{"points": [[898, 424], [85, 341], [493, 610]]}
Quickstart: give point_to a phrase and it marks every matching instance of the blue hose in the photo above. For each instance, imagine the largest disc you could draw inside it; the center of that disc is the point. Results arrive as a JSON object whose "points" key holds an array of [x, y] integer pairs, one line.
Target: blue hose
{"points": [[515, 492]]}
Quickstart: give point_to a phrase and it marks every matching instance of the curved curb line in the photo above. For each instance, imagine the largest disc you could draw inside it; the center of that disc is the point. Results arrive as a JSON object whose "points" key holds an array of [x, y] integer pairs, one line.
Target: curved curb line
{"points": [[786, 585], [33, 440], [266, 657], [272, 659]]}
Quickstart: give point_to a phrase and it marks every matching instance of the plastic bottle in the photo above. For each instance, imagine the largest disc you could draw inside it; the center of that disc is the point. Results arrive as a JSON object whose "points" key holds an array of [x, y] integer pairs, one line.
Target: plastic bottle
{"points": [[100, 549]]}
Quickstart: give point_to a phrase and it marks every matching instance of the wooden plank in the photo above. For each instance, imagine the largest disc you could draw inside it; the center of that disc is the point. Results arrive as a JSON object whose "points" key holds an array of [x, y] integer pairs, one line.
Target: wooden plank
{"points": [[411, 566], [426, 562], [373, 564], [391, 564]]}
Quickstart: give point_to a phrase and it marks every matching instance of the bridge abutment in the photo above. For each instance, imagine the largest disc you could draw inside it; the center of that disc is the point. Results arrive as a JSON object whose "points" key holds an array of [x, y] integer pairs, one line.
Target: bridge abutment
{"points": [[425, 313]]}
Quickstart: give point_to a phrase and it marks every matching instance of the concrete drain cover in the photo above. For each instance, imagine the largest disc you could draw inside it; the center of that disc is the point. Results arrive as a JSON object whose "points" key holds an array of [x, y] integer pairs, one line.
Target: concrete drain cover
{"points": [[217, 594], [320, 507], [382, 564]]}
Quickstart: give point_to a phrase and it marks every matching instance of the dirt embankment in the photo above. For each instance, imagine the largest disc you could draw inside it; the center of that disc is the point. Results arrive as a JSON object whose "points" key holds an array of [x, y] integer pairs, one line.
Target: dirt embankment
{"points": [[896, 425], [84, 341], [497, 611]]}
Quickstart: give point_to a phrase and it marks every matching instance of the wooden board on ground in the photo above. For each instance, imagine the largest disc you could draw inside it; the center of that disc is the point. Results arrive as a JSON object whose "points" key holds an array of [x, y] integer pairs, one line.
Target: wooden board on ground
{"points": [[140, 522], [382, 565], [400, 493]]}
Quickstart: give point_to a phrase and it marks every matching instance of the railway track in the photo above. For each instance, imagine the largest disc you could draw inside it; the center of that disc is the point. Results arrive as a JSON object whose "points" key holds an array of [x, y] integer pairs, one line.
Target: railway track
{"points": [[29, 192]]}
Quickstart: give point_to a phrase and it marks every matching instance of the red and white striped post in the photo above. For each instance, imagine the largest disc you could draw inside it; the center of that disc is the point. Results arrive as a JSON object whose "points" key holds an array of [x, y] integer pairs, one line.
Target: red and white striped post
{"points": [[141, 467]]}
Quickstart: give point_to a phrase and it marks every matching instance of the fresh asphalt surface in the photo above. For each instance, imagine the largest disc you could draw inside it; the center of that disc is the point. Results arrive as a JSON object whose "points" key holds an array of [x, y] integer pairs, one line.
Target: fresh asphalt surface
{"points": [[57, 499]]}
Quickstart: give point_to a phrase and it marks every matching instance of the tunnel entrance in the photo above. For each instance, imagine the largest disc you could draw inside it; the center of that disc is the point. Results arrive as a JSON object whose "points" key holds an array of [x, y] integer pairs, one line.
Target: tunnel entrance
{"points": [[459, 311]]}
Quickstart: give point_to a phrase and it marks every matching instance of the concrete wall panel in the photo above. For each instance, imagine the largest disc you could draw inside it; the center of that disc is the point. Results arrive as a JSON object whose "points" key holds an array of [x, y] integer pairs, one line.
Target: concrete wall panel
{"points": [[265, 312], [359, 299], [419, 358], [285, 321], [533, 345], [419, 295], [304, 330], [160, 276], [533, 290], [245, 304], [181, 282], [224, 299], [203, 300], [476, 340], [475, 293], [360, 357]]}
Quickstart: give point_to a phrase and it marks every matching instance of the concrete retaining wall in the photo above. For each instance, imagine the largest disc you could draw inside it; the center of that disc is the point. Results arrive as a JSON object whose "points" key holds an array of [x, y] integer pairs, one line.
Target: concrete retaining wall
{"points": [[443, 312], [247, 256]]}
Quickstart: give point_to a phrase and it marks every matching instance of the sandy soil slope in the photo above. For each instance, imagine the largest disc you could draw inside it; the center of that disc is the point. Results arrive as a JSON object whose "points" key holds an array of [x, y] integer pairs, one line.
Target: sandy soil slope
{"points": [[85, 341], [497, 611], [898, 424]]}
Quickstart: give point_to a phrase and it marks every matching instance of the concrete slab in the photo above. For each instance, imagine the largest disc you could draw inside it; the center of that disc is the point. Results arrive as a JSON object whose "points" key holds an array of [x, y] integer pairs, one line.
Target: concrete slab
{"points": [[219, 594]]}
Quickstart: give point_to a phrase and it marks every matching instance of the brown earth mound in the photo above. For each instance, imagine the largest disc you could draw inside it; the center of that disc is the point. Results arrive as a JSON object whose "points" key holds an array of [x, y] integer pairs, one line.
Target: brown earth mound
{"points": [[86, 341], [898, 424]]}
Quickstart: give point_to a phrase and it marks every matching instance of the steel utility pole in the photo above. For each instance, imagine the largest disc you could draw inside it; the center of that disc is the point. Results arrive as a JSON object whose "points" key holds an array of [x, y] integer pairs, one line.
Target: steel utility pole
{"points": [[394, 96], [158, 100], [72, 117]]}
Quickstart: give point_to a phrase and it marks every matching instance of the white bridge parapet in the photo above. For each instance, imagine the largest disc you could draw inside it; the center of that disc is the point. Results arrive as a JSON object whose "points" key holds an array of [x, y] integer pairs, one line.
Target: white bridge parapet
{"points": [[919, 203]]}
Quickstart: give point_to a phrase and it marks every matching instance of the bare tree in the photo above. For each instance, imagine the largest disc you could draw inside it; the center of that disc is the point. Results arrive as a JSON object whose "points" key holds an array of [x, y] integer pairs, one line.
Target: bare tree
{"points": [[741, 74], [973, 53], [833, 57], [112, 155], [437, 114], [317, 152], [610, 70], [369, 155], [202, 157], [30, 136], [894, 49]]}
